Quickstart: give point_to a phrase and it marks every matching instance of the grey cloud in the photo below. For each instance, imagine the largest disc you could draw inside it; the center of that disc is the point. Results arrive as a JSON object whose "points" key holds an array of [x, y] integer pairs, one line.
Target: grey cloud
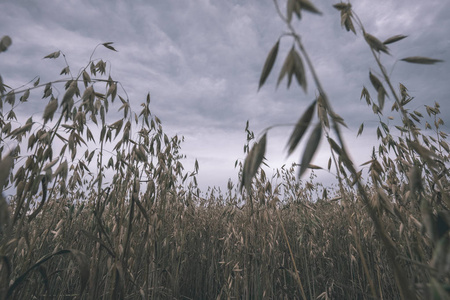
{"points": [[200, 60]]}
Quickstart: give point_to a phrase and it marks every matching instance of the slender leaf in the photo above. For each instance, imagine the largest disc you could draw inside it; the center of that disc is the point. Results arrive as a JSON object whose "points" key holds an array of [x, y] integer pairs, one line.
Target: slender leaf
{"points": [[360, 130], [311, 148], [378, 86], [381, 98], [366, 95], [108, 45], [53, 55], [287, 66], [299, 70], [300, 128], [308, 6], [291, 7], [421, 60], [112, 91], [252, 162], [394, 39], [270, 60]]}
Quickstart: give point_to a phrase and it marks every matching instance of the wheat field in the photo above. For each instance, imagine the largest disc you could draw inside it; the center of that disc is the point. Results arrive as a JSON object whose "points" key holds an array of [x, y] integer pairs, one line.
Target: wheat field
{"points": [[96, 203]]}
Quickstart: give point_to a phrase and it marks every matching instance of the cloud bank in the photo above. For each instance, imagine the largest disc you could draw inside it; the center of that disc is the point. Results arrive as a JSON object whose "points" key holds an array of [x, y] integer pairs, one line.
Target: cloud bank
{"points": [[201, 60]]}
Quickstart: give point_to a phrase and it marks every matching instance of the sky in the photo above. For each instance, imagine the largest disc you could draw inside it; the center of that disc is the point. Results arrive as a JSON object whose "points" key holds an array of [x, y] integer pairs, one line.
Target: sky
{"points": [[200, 60]]}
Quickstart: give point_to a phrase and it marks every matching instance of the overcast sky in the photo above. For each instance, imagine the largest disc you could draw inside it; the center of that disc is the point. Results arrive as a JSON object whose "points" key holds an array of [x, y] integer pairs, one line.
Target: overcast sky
{"points": [[201, 61]]}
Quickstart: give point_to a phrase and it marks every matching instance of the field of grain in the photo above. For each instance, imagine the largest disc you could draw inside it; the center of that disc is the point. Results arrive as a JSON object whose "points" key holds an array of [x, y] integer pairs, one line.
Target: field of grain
{"points": [[96, 203], [151, 233]]}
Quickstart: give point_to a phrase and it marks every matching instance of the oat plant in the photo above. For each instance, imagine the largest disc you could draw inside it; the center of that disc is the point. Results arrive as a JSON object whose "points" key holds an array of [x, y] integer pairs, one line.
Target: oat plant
{"points": [[96, 203], [417, 173]]}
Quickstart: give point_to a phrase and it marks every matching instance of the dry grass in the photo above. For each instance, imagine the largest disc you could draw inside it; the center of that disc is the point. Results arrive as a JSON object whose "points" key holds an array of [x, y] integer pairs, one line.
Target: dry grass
{"points": [[103, 209], [191, 248]]}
